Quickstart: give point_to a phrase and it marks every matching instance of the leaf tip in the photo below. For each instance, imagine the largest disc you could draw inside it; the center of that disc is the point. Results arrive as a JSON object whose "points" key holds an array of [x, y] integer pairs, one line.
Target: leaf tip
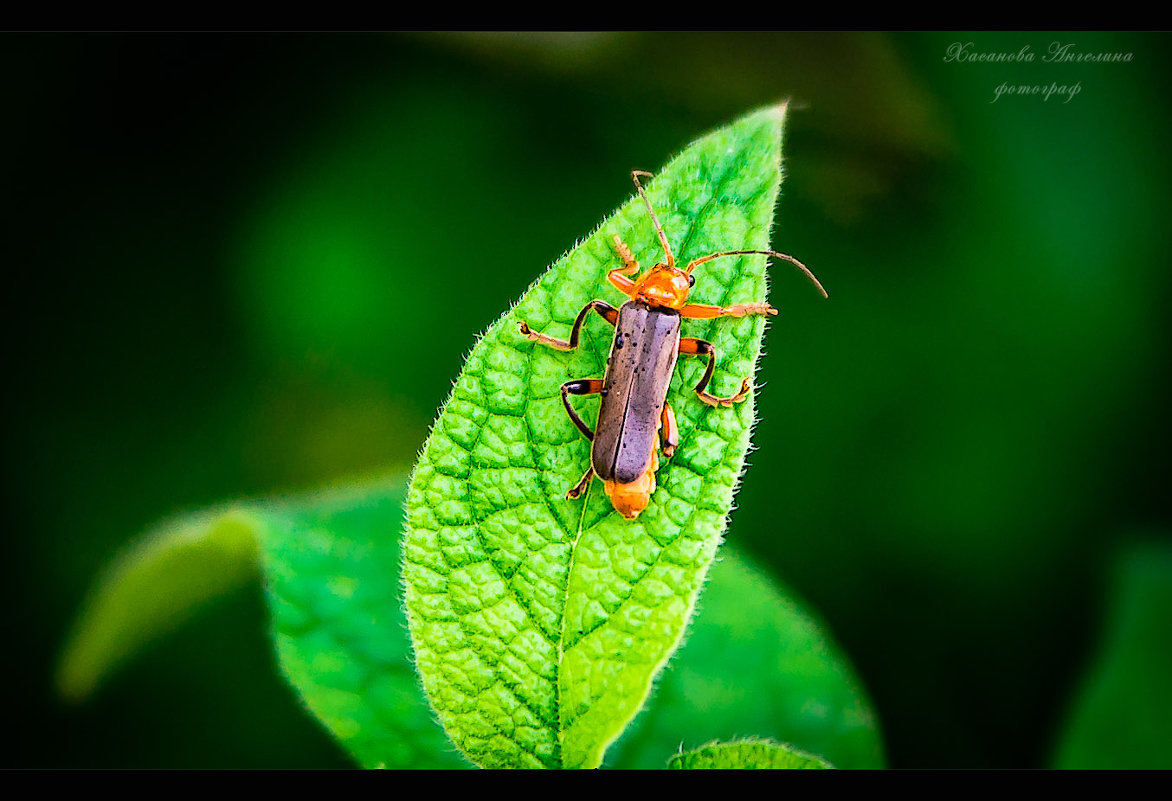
{"points": [[150, 589], [72, 683]]}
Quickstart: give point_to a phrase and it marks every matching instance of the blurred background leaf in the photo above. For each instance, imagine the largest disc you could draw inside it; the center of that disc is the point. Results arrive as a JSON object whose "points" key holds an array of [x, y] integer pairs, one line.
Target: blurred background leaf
{"points": [[329, 561], [755, 664], [242, 264], [153, 588], [1122, 715]]}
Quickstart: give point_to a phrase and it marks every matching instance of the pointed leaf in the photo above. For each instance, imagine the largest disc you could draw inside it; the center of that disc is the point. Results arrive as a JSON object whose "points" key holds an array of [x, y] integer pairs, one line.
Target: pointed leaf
{"points": [[539, 622]]}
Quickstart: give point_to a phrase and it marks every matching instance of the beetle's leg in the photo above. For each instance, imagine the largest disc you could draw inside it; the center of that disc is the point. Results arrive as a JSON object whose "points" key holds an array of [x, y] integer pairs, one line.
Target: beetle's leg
{"points": [[669, 429], [589, 386], [581, 486], [698, 347], [704, 312], [618, 277], [605, 311]]}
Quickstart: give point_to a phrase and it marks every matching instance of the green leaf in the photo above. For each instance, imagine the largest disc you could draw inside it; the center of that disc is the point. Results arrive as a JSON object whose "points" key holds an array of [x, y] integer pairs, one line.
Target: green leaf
{"points": [[539, 623], [331, 569], [155, 587], [746, 754], [332, 579], [1122, 716], [754, 663]]}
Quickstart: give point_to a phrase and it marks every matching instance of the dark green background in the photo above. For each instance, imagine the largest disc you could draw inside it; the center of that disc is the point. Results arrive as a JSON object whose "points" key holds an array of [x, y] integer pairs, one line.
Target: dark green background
{"points": [[246, 264]]}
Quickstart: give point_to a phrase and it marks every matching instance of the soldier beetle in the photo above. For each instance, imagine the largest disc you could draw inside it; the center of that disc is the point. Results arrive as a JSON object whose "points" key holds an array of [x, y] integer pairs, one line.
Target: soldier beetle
{"points": [[635, 420]]}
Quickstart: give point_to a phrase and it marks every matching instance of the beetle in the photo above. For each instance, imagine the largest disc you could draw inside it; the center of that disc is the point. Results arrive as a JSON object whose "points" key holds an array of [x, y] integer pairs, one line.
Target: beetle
{"points": [[635, 421]]}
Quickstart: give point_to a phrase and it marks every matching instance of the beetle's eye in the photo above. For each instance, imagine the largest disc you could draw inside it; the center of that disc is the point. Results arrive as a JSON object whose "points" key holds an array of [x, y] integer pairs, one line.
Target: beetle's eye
{"points": [[691, 280]]}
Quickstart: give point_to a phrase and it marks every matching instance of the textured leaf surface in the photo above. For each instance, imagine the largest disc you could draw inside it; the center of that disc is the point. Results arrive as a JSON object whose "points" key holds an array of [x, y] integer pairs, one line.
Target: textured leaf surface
{"points": [[755, 663], [1122, 716], [746, 754], [330, 564], [538, 622]]}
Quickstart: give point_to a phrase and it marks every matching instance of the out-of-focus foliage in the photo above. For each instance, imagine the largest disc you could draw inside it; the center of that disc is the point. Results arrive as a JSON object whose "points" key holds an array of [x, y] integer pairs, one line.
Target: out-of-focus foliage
{"points": [[249, 263], [755, 661], [1122, 716], [330, 568], [154, 588]]}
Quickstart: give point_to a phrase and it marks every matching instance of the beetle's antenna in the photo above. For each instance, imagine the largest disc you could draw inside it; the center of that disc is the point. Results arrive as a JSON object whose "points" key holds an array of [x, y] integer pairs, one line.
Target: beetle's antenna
{"points": [[790, 259], [671, 260]]}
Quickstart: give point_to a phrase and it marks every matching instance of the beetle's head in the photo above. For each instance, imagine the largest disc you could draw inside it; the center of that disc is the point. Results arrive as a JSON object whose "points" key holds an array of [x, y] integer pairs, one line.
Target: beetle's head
{"points": [[664, 286]]}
